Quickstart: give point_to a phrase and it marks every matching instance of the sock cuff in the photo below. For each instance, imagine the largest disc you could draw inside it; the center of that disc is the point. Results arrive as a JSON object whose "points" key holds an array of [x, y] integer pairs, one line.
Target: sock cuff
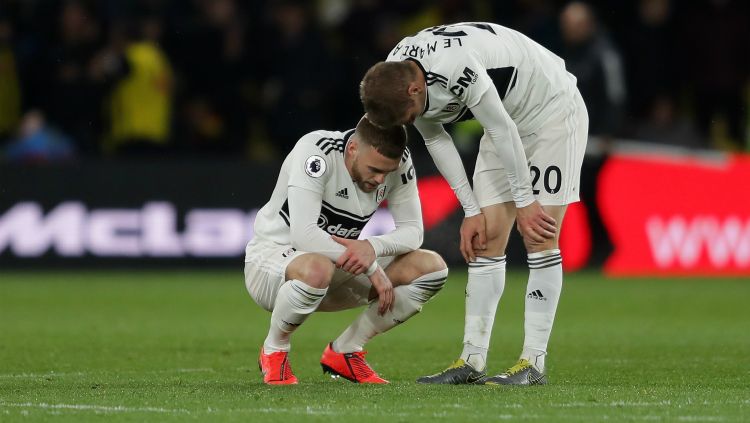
{"points": [[306, 291], [544, 259], [440, 275], [482, 264], [426, 286]]}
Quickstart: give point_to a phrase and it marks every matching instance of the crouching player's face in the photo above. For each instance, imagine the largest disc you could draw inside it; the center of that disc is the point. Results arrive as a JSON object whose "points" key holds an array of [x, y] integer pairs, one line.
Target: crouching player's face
{"points": [[369, 167]]}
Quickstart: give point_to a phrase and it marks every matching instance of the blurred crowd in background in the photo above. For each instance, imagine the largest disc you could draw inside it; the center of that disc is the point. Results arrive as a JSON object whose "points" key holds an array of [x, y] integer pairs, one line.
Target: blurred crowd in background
{"points": [[235, 78]]}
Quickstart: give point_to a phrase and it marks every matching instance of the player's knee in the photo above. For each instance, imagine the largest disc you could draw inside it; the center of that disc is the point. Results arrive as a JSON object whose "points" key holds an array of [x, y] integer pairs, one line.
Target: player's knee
{"points": [[429, 262], [497, 240], [549, 244], [317, 271], [414, 265]]}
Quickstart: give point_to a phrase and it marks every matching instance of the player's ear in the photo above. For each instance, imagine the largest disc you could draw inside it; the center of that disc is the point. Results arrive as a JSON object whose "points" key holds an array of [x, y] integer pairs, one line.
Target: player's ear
{"points": [[414, 88], [352, 146]]}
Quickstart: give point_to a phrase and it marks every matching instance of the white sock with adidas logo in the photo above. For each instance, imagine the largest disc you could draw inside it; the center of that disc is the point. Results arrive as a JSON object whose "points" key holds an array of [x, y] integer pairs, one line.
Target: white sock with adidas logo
{"points": [[542, 296]]}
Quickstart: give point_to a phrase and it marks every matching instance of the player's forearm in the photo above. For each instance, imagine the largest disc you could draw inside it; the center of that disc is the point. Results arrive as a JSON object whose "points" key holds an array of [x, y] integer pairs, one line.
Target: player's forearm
{"points": [[407, 236], [310, 238], [449, 163], [401, 241], [503, 134], [304, 232]]}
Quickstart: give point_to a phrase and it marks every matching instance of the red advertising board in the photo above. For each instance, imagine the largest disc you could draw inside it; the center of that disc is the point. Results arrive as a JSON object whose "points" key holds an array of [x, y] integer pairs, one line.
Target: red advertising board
{"points": [[676, 216]]}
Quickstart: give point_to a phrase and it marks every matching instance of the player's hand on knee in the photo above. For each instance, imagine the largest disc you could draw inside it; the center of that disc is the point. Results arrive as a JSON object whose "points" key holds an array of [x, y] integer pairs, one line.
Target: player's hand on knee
{"points": [[477, 245], [384, 288], [358, 256], [472, 232], [535, 224]]}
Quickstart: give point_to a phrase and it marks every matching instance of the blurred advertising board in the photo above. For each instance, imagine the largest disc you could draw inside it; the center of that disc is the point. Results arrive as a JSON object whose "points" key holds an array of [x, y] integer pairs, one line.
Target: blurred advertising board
{"points": [[676, 215], [662, 215]]}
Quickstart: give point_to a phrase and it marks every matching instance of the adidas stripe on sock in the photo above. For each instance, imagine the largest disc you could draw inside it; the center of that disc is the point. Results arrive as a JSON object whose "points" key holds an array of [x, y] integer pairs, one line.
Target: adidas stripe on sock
{"points": [[542, 295], [295, 301], [407, 301]]}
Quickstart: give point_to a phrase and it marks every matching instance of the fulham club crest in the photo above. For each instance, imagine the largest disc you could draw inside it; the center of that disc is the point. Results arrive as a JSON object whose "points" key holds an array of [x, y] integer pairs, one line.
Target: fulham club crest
{"points": [[315, 166], [380, 195]]}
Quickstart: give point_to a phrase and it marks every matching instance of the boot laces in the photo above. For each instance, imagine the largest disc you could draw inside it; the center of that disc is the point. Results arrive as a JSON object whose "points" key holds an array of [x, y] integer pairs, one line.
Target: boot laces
{"points": [[520, 366]]}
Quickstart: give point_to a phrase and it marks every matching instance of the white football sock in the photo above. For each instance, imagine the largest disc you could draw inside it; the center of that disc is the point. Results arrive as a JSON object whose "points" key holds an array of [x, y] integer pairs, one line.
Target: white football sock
{"points": [[407, 301], [294, 302], [542, 296], [483, 292]]}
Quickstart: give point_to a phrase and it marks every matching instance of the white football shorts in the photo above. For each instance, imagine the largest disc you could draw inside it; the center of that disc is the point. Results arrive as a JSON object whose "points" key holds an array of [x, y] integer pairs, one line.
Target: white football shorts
{"points": [[265, 272], [554, 153]]}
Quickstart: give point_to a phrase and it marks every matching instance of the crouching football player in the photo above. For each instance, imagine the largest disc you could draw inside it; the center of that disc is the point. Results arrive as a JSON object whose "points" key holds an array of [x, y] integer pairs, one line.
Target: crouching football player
{"points": [[305, 255]]}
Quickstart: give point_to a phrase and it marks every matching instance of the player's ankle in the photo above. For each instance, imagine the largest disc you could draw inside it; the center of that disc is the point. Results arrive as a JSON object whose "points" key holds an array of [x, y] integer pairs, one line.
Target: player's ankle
{"points": [[535, 357]]}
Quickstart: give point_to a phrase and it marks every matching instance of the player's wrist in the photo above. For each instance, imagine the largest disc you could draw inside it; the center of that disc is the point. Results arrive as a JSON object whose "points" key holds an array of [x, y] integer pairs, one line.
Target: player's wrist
{"points": [[472, 211], [524, 202], [372, 269]]}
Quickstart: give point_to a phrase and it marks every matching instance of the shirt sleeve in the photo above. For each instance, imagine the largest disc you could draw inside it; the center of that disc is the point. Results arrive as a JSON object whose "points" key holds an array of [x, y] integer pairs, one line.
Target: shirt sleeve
{"points": [[308, 174], [304, 209], [440, 146], [503, 134], [403, 202]]}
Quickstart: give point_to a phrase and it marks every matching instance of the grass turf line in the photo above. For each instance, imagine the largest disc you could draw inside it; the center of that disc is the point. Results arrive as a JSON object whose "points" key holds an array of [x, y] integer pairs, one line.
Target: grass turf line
{"points": [[177, 346]]}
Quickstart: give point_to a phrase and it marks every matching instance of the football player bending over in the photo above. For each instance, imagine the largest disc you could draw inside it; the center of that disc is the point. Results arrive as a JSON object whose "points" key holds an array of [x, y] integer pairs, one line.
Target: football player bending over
{"points": [[527, 171]]}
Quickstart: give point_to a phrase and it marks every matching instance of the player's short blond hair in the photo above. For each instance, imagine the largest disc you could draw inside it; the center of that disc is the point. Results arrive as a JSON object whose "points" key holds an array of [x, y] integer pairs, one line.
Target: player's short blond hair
{"points": [[390, 142], [384, 92]]}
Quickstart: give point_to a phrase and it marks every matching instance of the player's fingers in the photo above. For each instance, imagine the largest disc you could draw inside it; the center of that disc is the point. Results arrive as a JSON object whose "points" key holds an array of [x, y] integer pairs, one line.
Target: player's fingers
{"points": [[469, 249], [462, 247], [533, 235], [547, 230], [343, 258], [549, 219], [342, 241], [482, 236], [475, 244], [463, 254], [548, 227], [351, 265], [547, 234], [382, 304], [342, 262], [389, 301]]}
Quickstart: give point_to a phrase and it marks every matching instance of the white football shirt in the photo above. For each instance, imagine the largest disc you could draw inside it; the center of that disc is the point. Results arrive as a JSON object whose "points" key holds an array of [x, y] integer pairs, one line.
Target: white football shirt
{"points": [[510, 83], [316, 164], [460, 61]]}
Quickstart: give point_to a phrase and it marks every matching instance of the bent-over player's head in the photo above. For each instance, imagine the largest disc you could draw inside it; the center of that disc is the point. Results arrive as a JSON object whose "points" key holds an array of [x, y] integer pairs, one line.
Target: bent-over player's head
{"points": [[372, 153], [391, 93]]}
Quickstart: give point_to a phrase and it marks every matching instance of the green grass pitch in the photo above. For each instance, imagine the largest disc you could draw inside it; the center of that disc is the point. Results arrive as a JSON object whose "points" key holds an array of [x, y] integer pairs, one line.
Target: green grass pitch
{"points": [[182, 346]]}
